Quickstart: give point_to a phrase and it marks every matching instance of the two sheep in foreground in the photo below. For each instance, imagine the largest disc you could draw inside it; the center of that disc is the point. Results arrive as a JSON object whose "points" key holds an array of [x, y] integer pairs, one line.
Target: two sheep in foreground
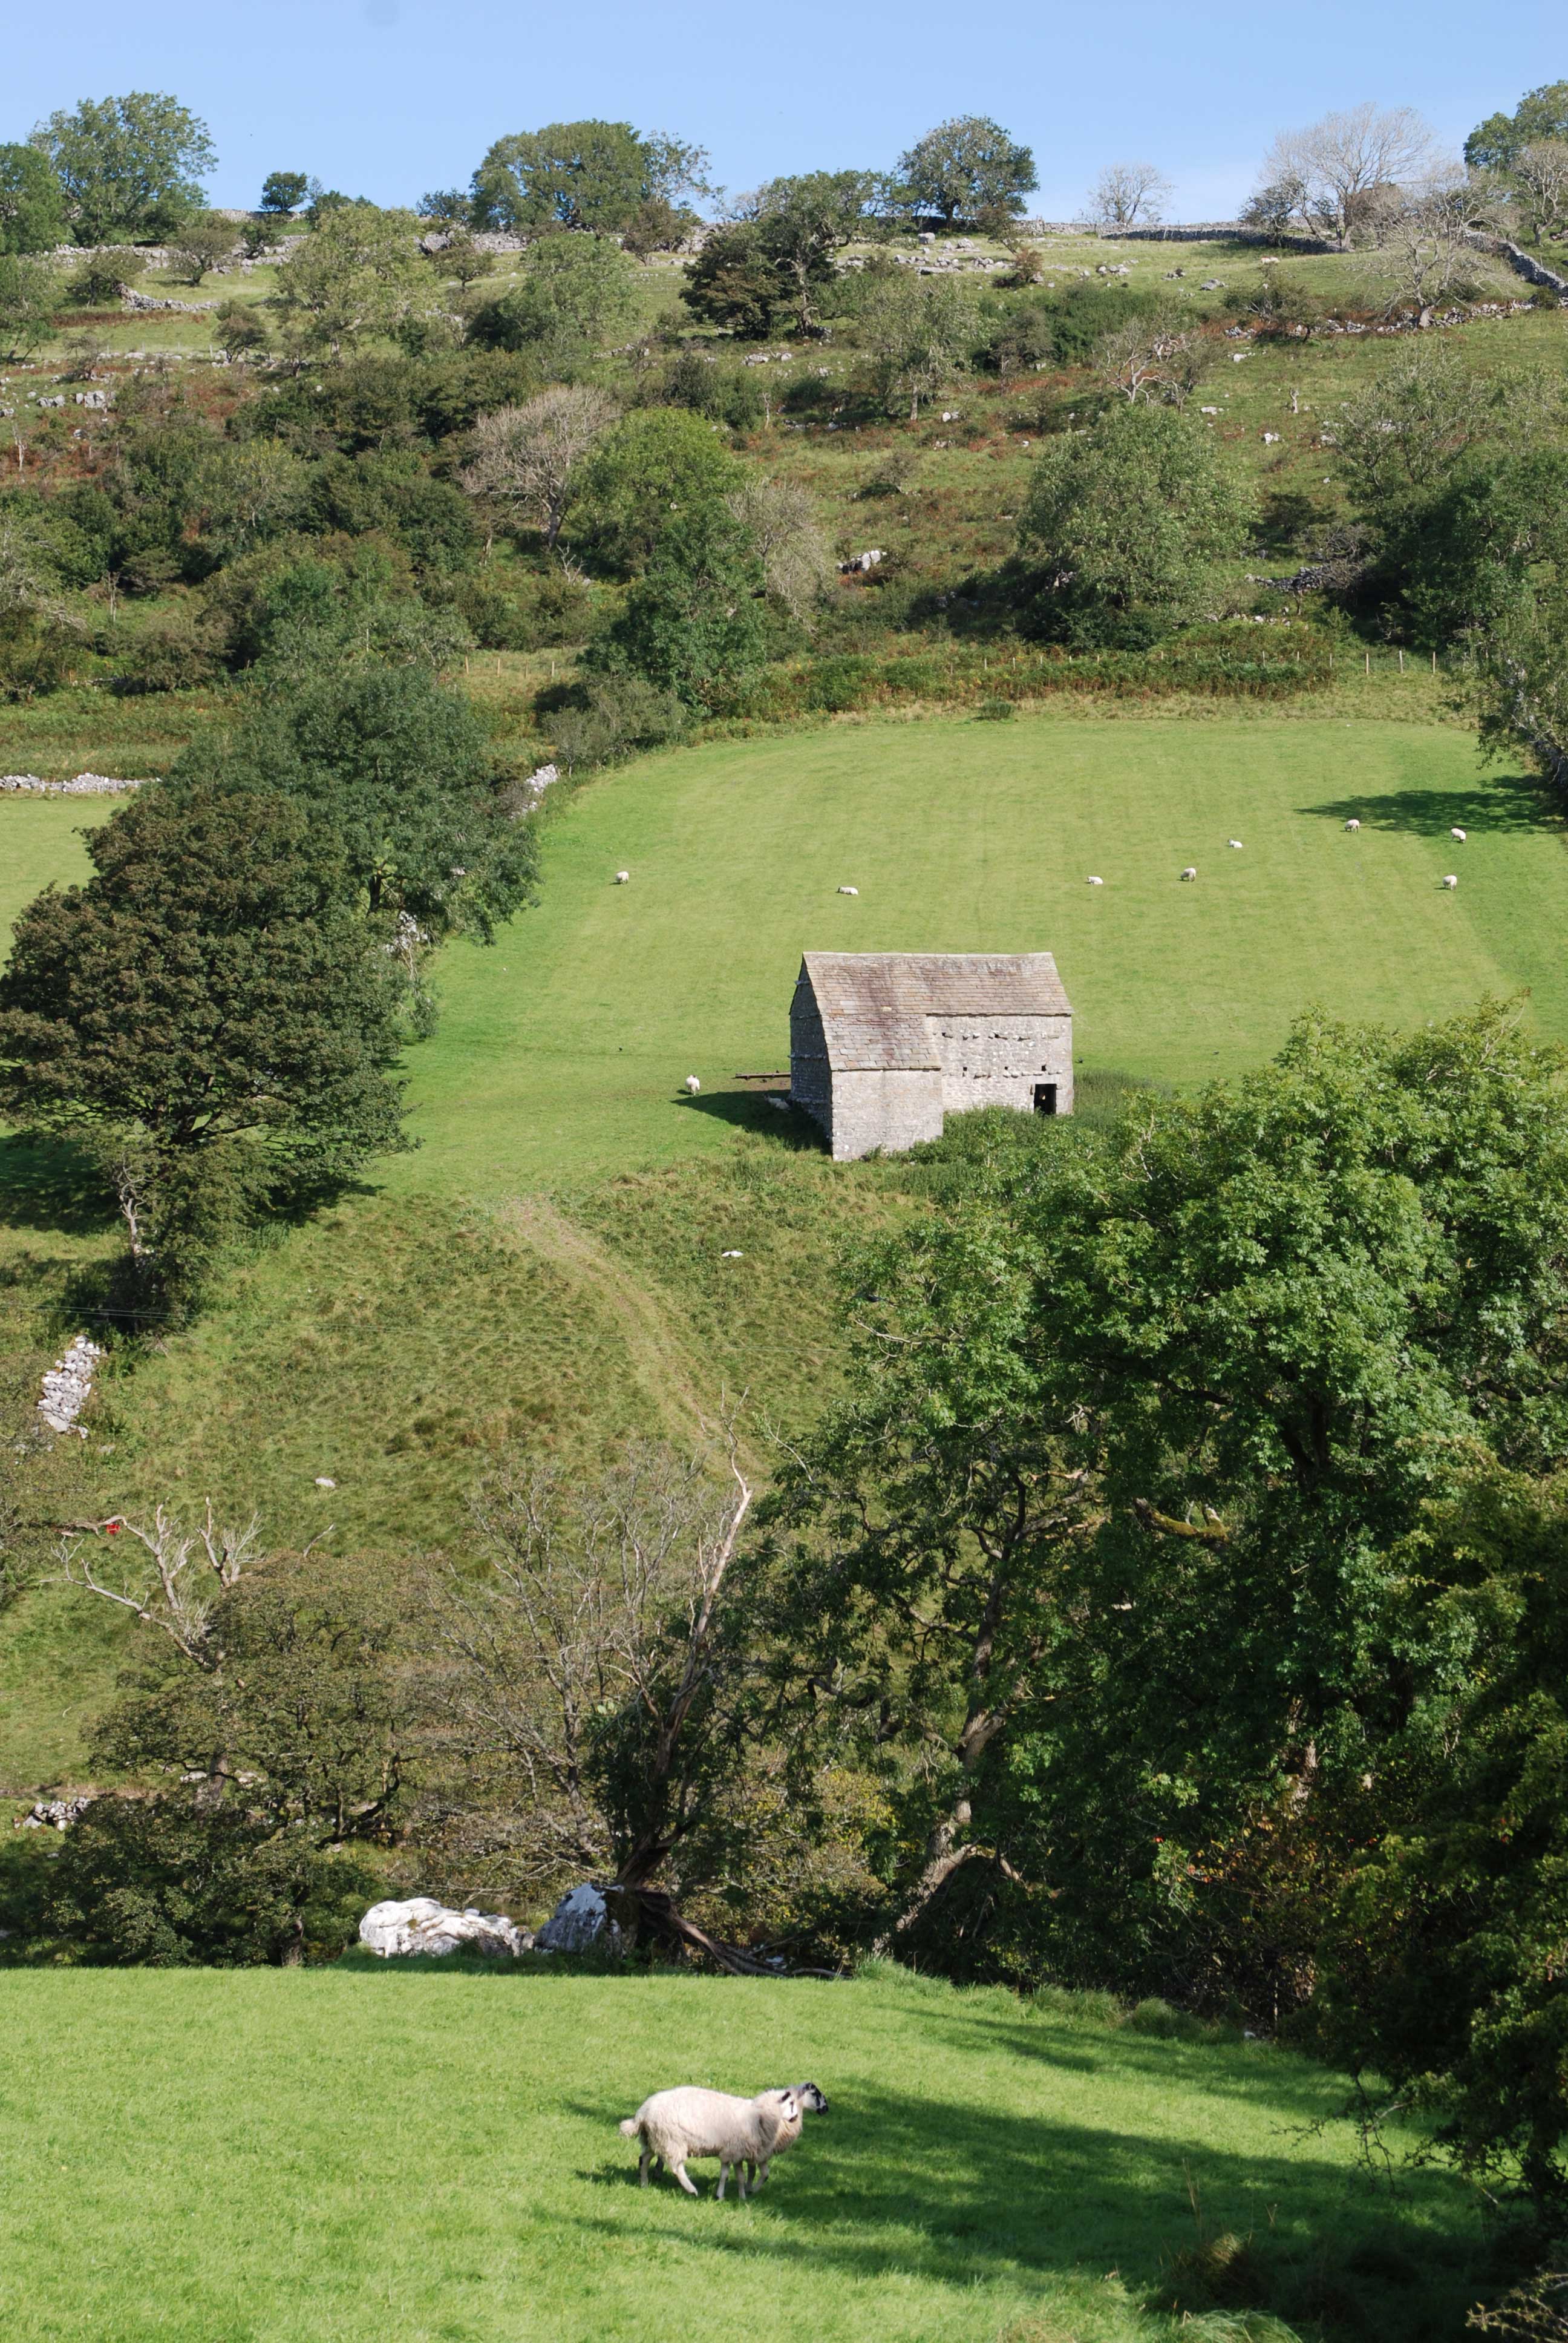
{"points": [[675, 2125]]}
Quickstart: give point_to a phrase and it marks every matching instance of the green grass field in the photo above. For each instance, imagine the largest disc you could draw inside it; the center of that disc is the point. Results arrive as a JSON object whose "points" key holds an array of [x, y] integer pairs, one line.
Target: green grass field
{"points": [[562, 1050], [268, 2156]]}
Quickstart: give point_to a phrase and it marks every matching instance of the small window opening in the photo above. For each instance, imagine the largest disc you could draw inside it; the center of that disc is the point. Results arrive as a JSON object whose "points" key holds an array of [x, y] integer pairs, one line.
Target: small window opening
{"points": [[1045, 1098]]}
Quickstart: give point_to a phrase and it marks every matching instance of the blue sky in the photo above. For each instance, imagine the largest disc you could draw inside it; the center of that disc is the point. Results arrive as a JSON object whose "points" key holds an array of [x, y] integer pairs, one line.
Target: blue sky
{"points": [[389, 97]]}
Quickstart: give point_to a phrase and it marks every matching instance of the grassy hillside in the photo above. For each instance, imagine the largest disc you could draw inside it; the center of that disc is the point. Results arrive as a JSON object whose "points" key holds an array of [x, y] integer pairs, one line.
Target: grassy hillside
{"points": [[563, 1049], [548, 1269], [435, 2154]]}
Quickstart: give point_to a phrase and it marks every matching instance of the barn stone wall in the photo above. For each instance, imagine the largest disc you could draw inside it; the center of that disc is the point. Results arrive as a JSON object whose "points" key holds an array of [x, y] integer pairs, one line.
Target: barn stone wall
{"points": [[884, 1109], [997, 1061]]}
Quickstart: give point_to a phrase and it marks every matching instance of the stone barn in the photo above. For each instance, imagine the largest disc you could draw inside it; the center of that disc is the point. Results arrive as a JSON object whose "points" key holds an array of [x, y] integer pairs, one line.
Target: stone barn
{"points": [[884, 1045]]}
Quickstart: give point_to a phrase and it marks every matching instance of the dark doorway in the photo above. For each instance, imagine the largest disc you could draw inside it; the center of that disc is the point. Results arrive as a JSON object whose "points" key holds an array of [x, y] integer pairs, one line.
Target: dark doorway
{"points": [[1045, 1098]]}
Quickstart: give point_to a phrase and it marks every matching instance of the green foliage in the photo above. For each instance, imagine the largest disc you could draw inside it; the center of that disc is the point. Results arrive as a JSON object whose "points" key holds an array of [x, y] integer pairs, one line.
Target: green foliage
{"points": [[655, 466], [1441, 1968], [358, 274], [32, 201], [614, 715], [1124, 521], [208, 1012], [284, 191], [918, 331], [129, 166], [29, 293], [693, 622], [1495, 145], [577, 291], [100, 281], [580, 175], [203, 241], [776, 262], [1055, 329], [157, 1883], [399, 771], [968, 169]]}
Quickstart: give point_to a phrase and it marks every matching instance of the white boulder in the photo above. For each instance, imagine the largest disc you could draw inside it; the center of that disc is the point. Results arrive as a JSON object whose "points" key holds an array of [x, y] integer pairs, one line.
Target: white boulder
{"points": [[423, 1925], [579, 1920]]}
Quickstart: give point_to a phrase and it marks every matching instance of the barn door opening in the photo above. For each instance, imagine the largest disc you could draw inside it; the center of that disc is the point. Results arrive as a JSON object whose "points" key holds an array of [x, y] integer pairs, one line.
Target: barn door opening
{"points": [[1045, 1098]]}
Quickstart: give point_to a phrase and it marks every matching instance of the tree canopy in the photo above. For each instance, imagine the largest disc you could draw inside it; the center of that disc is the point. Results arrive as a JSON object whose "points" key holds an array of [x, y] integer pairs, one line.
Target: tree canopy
{"points": [[1541, 114], [580, 175], [33, 215], [968, 168], [656, 465], [131, 167]]}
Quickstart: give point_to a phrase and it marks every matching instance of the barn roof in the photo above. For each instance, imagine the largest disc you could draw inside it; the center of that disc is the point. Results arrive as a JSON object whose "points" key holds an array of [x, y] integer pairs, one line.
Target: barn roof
{"points": [[874, 1005]]}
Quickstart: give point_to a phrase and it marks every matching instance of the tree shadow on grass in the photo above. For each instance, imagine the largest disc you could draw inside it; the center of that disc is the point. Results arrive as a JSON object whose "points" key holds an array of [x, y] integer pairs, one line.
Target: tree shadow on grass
{"points": [[1504, 807], [961, 2192], [49, 1184]]}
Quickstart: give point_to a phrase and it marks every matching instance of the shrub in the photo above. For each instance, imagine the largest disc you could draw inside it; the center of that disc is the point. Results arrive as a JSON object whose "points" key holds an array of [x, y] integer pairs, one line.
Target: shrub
{"points": [[102, 276], [995, 711], [614, 716], [172, 655]]}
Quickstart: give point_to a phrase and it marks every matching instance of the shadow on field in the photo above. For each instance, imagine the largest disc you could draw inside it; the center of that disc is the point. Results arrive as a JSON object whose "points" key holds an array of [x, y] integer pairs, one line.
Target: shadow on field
{"points": [[894, 2183], [48, 1184], [1512, 803], [749, 1110]]}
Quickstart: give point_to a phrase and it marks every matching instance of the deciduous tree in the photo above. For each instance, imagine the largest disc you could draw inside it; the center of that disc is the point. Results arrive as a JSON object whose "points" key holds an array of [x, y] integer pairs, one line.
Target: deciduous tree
{"points": [[1126, 193], [130, 166], [969, 169], [33, 217], [531, 457], [1345, 160]]}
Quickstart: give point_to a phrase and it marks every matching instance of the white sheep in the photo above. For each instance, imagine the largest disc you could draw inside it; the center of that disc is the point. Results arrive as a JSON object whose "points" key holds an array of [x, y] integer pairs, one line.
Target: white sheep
{"points": [[692, 1086], [811, 2103], [1451, 881], [623, 878], [1191, 871], [1097, 882], [848, 890], [690, 2121], [1459, 834], [1353, 823], [1236, 843]]}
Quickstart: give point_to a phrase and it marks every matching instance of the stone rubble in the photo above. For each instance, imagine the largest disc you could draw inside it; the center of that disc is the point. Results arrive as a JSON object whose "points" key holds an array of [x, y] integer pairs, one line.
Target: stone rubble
{"points": [[421, 1925], [579, 1920], [56, 1813], [68, 1385], [86, 785]]}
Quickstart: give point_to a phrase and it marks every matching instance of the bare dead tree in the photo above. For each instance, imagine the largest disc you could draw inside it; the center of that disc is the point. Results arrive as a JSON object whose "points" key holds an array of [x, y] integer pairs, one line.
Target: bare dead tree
{"points": [[1341, 162], [169, 1577], [1127, 195], [1539, 175], [588, 1667], [797, 560], [1421, 244], [1154, 358], [527, 456]]}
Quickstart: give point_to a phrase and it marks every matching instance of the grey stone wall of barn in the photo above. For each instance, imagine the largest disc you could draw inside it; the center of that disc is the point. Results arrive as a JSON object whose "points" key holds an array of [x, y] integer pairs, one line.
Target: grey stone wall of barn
{"points": [[810, 1079], [892, 1110], [997, 1061]]}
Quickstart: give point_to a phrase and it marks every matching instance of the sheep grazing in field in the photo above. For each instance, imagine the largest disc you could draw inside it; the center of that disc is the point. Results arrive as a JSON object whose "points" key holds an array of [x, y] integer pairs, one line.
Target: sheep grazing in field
{"points": [[1459, 834], [1097, 882], [848, 890], [811, 2103], [1353, 823], [1451, 881], [692, 1086], [1191, 871], [623, 878], [1235, 842], [690, 2121]]}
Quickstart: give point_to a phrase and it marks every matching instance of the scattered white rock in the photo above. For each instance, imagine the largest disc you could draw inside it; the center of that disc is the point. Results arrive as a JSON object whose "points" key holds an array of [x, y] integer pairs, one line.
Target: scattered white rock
{"points": [[322, 1483], [421, 1925], [1271, 439], [57, 1814], [68, 1385], [732, 1256], [1208, 410], [579, 1920], [781, 1104], [866, 560], [848, 890], [692, 1085]]}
